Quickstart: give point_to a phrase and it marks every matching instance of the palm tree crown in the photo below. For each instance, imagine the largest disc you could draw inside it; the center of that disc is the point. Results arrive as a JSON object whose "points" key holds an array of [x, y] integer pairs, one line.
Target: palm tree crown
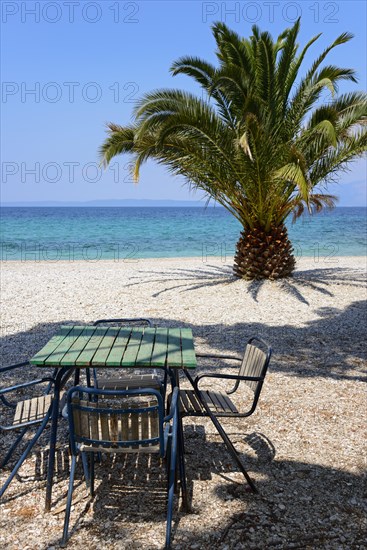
{"points": [[262, 141]]}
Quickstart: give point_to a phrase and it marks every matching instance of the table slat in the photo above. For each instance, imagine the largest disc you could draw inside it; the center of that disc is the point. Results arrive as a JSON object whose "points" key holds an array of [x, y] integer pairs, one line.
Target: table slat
{"points": [[86, 356], [50, 347], [100, 358], [132, 350], [78, 346], [56, 356], [146, 349], [118, 348], [174, 355], [188, 351], [159, 354]]}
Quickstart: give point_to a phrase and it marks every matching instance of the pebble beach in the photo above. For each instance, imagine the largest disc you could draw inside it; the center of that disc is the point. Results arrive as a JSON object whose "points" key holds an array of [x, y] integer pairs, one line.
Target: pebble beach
{"points": [[304, 446]]}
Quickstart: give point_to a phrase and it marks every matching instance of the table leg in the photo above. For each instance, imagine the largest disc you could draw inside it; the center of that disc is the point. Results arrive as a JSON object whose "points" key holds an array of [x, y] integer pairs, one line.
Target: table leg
{"points": [[181, 465], [222, 433], [181, 449], [53, 436], [77, 377]]}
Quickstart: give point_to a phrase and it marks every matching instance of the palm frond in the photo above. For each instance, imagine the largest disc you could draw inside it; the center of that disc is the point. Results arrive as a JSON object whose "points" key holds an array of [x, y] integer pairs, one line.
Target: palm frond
{"points": [[263, 139], [119, 141]]}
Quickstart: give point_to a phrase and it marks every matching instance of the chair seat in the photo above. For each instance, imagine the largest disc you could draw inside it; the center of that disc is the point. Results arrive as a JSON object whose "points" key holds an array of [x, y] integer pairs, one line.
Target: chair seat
{"points": [[151, 449], [217, 403], [130, 382], [32, 410]]}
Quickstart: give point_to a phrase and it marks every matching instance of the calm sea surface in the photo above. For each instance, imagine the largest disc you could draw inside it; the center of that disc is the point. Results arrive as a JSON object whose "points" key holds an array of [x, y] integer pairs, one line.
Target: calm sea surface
{"points": [[51, 234]]}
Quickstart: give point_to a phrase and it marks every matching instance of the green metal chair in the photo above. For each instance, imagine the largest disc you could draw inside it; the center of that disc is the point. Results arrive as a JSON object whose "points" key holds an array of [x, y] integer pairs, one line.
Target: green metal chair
{"points": [[21, 414], [127, 421], [217, 404]]}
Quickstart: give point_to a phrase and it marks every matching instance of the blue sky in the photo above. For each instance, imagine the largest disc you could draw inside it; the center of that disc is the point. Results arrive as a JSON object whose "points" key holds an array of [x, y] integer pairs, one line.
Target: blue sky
{"points": [[68, 67]]}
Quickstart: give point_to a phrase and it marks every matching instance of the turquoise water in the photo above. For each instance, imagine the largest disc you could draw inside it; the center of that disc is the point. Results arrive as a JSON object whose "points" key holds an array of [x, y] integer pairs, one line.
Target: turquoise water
{"points": [[122, 233]]}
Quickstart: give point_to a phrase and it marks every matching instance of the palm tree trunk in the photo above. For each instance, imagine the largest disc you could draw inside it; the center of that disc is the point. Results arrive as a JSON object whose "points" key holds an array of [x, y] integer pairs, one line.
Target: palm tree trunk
{"points": [[261, 255]]}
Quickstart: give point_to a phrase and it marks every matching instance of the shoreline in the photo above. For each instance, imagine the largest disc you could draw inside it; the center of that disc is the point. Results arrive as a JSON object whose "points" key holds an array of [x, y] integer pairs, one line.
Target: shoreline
{"points": [[324, 260]]}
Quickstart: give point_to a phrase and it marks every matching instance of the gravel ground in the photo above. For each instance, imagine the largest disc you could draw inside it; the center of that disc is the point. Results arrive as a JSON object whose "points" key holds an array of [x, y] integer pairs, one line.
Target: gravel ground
{"points": [[304, 447]]}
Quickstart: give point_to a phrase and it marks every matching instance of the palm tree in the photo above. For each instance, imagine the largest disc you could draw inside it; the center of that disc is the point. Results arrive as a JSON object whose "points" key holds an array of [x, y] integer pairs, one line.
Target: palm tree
{"points": [[263, 142]]}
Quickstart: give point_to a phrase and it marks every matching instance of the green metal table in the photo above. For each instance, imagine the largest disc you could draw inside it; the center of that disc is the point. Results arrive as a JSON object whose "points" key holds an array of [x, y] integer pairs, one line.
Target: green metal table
{"points": [[90, 346], [78, 347]]}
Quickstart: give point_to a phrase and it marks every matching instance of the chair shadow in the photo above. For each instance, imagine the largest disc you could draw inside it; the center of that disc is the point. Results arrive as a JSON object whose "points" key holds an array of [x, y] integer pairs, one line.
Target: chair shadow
{"points": [[129, 489], [132, 488], [38, 475], [293, 497]]}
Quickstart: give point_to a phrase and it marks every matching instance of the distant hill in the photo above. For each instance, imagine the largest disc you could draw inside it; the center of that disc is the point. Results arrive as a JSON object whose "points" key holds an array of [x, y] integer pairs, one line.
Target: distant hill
{"points": [[124, 202]]}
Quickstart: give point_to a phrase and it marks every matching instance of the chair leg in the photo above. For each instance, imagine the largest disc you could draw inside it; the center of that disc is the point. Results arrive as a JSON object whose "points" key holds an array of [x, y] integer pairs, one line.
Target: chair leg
{"points": [[167, 463], [53, 437], [92, 459], [68, 503], [86, 470], [232, 451], [222, 433], [24, 455], [181, 464], [13, 447], [171, 489]]}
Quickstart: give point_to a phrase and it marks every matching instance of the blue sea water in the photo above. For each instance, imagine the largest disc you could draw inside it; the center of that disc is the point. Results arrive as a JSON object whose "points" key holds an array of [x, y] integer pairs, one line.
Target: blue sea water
{"points": [[127, 233]]}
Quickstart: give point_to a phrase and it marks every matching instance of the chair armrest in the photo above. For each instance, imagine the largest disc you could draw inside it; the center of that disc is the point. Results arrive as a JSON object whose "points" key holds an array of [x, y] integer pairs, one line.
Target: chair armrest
{"points": [[26, 385], [219, 356], [237, 377], [11, 367], [174, 402]]}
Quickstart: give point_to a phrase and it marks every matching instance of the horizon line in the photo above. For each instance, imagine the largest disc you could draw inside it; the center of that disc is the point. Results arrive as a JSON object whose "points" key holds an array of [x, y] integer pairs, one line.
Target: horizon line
{"points": [[119, 203]]}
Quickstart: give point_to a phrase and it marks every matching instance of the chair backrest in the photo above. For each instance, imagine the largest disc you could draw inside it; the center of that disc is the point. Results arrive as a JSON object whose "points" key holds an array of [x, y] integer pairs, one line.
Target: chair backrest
{"points": [[255, 361], [116, 420], [254, 364]]}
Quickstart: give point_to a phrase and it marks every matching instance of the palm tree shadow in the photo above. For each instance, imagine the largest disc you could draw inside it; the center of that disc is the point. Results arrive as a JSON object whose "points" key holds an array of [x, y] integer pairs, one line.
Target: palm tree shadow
{"points": [[193, 278], [314, 279], [210, 275]]}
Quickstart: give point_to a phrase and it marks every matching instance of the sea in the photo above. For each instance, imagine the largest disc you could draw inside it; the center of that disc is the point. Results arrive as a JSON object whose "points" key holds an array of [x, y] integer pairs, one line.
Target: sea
{"points": [[130, 233]]}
